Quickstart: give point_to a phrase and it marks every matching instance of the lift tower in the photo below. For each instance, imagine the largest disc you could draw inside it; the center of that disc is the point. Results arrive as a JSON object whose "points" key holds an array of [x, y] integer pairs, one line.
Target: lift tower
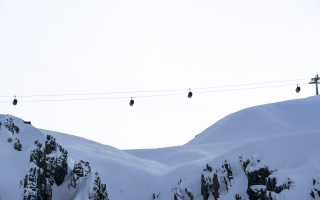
{"points": [[315, 81]]}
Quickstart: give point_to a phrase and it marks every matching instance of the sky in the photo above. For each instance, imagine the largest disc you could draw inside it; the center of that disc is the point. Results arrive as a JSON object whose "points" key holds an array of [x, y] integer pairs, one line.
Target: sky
{"points": [[84, 47]]}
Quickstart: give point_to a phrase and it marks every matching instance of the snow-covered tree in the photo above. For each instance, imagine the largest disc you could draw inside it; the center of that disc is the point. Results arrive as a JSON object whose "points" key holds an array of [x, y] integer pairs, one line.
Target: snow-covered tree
{"points": [[61, 169], [44, 162], [11, 127], [99, 190], [80, 169], [17, 146]]}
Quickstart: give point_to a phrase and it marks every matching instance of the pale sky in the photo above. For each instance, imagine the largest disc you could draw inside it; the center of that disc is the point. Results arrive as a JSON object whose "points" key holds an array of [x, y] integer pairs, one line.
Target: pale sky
{"points": [[77, 47]]}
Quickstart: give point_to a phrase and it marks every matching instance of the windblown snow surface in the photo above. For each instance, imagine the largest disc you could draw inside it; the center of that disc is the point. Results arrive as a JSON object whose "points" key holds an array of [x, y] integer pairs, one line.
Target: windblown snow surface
{"points": [[281, 137]]}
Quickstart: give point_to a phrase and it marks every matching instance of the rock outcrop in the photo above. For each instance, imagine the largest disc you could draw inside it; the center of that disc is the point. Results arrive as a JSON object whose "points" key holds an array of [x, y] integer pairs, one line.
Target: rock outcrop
{"points": [[315, 191], [182, 191], [211, 180], [239, 197], [189, 193], [261, 183], [177, 194], [155, 196]]}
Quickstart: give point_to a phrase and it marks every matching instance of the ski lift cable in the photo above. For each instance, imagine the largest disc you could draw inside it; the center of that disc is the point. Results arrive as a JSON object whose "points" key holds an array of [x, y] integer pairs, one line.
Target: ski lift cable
{"points": [[56, 95], [159, 95], [251, 84]]}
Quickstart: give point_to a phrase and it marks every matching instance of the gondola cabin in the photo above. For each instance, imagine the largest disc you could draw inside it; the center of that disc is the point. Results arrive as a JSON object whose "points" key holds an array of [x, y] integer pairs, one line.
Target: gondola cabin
{"points": [[298, 89], [131, 102], [15, 101], [190, 94]]}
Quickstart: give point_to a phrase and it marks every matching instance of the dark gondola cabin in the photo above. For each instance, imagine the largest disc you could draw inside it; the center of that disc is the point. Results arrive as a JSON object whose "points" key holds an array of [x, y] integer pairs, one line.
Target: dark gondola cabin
{"points": [[190, 94], [298, 89], [15, 101], [131, 102]]}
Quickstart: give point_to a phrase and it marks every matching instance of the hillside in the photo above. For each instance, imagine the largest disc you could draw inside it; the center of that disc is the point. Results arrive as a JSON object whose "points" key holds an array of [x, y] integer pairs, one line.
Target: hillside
{"points": [[264, 152], [294, 116]]}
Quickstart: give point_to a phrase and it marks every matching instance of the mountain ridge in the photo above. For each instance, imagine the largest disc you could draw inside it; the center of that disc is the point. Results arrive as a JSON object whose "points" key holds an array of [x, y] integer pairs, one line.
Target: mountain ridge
{"points": [[276, 118], [252, 165]]}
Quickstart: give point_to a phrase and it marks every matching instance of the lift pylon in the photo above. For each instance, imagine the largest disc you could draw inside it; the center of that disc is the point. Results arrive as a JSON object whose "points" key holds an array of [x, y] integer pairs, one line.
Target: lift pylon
{"points": [[315, 81]]}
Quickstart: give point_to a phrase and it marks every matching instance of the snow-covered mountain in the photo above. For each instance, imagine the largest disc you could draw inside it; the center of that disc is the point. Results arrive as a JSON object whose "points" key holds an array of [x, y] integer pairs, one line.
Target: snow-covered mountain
{"points": [[265, 152]]}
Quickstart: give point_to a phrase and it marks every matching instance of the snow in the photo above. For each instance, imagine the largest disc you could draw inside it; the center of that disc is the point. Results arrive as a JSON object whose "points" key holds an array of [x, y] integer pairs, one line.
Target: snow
{"points": [[294, 116], [281, 136]]}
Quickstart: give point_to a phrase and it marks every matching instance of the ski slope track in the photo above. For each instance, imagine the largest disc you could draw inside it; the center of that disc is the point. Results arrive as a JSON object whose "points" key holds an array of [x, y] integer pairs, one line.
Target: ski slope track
{"points": [[268, 152]]}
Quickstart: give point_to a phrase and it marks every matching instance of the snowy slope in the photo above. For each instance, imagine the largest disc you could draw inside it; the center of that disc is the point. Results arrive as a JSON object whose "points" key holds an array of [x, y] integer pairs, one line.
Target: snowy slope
{"points": [[13, 163], [181, 155], [126, 176], [293, 116], [241, 153]]}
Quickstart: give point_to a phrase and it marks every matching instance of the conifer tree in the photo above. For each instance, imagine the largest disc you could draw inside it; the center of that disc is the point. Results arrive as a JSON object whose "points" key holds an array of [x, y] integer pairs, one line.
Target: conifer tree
{"points": [[99, 190], [49, 169], [17, 146], [11, 127], [61, 167]]}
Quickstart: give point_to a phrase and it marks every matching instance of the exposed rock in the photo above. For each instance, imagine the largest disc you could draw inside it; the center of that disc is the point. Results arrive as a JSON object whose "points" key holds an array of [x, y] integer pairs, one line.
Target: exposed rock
{"points": [[261, 183], [272, 182], [208, 168], [177, 194], [227, 166], [212, 179], [239, 197], [245, 163], [205, 187], [254, 193], [315, 191], [258, 177], [155, 196], [190, 195], [216, 187], [264, 195], [227, 178], [210, 186], [259, 193]]}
